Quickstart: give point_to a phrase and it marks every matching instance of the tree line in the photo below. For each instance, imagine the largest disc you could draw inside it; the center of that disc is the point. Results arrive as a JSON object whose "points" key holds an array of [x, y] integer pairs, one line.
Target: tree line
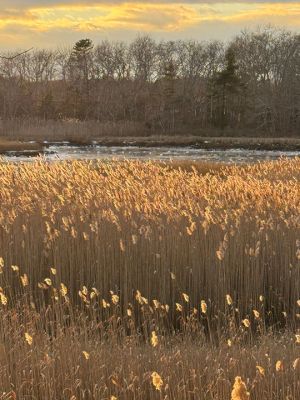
{"points": [[250, 84]]}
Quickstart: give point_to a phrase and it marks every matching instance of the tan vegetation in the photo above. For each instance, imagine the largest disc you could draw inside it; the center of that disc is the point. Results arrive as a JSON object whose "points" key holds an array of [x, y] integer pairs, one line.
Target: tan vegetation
{"points": [[140, 281], [131, 134], [201, 167], [71, 129]]}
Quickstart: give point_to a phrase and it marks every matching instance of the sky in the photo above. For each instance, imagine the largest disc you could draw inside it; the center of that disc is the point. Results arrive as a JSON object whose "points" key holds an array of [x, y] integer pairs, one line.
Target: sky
{"points": [[57, 23]]}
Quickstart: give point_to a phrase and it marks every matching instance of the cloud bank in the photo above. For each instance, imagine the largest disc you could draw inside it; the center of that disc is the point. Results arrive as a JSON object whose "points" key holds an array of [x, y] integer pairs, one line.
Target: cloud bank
{"points": [[47, 23]]}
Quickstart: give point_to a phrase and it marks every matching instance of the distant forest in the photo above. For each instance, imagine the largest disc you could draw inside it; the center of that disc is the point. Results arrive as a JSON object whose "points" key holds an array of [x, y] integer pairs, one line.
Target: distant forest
{"points": [[249, 85]]}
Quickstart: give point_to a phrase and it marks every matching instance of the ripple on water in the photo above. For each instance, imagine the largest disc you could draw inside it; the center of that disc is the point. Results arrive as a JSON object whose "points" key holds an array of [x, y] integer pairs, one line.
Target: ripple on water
{"points": [[66, 152]]}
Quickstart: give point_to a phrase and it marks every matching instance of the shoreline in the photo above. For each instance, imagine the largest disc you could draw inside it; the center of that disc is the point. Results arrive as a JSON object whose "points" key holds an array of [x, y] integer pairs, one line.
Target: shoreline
{"points": [[211, 143], [7, 146]]}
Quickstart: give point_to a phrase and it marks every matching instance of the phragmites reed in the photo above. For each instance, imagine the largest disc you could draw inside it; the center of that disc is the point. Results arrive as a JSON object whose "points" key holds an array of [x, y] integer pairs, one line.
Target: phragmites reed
{"points": [[239, 391], [157, 381], [84, 221], [137, 280]]}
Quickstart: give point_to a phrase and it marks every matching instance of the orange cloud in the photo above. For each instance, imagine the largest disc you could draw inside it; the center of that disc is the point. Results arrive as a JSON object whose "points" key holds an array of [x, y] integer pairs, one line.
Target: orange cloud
{"points": [[142, 16], [288, 12], [138, 16], [160, 17]]}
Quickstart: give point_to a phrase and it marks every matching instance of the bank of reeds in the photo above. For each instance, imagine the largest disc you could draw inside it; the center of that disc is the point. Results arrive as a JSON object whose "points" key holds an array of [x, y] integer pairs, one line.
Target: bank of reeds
{"points": [[68, 129], [59, 353], [128, 133], [135, 280]]}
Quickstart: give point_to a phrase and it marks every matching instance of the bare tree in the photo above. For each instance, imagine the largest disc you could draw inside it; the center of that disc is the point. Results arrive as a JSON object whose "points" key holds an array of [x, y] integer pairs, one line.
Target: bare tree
{"points": [[163, 86], [143, 57], [16, 55]]}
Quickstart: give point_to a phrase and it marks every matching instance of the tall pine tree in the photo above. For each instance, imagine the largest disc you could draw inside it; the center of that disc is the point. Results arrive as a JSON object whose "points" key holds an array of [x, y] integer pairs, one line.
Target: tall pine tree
{"points": [[226, 90], [80, 67]]}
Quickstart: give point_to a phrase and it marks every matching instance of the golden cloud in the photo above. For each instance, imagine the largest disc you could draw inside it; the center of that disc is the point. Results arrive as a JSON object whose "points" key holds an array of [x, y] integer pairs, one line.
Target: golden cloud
{"points": [[136, 16], [142, 16], [287, 12]]}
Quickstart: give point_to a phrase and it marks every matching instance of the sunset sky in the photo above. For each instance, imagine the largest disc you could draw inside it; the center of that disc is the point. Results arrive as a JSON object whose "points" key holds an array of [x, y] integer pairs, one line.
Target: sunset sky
{"points": [[51, 23]]}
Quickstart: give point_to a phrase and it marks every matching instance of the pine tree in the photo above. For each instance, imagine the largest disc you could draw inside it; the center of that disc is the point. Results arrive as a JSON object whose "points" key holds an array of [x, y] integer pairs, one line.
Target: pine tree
{"points": [[79, 56], [47, 107], [80, 59], [170, 94], [226, 87], [79, 63]]}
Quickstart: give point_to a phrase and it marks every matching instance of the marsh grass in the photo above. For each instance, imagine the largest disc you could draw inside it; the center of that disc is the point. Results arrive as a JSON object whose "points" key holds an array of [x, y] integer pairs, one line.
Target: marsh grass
{"points": [[144, 281], [129, 133]]}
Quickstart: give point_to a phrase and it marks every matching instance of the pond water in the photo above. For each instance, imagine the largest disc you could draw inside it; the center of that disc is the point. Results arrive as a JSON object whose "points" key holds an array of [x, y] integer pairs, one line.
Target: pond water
{"points": [[65, 151]]}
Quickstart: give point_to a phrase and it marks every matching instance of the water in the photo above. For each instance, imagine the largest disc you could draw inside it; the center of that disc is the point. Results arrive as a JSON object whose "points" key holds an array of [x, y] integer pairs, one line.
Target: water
{"points": [[66, 151]]}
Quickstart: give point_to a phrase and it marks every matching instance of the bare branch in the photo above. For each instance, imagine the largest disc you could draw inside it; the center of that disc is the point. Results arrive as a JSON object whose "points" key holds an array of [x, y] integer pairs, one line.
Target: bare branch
{"points": [[17, 55]]}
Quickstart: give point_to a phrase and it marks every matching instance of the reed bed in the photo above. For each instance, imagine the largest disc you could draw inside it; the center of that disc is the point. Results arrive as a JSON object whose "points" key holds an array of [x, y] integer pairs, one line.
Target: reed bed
{"points": [[137, 280]]}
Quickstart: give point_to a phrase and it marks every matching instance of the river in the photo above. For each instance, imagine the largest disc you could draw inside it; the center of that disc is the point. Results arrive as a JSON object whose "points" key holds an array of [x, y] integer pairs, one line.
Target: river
{"points": [[65, 151]]}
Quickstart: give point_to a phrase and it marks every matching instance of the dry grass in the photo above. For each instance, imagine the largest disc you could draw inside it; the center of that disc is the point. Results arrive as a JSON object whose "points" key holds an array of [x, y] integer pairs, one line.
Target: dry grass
{"points": [[122, 133], [200, 167], [133, 275], [72, 130]]}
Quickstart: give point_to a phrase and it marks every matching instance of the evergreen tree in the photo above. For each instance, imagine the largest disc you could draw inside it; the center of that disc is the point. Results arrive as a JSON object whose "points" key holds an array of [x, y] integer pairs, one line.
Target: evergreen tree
{"points": [[47, 107], [169, 94], [226, 88], [80, 67], [80, 55], [80, 60]]}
